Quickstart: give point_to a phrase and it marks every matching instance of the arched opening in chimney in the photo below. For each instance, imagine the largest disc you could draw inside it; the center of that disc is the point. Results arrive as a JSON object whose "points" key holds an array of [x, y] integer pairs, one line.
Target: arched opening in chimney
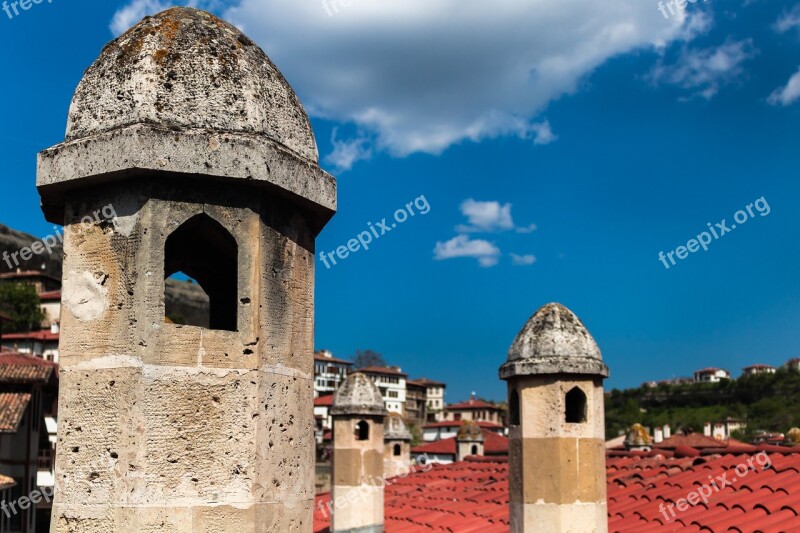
{"points": [[206, 252], [362, 430], [474, 450], [397, 450], [575, 406], [513, 408]]}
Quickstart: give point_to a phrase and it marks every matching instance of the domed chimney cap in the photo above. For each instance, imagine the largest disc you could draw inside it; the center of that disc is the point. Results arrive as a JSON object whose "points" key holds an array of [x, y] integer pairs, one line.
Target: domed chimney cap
{"points": [[469, 431], [554, 341], [358, 395], [394, 428]]}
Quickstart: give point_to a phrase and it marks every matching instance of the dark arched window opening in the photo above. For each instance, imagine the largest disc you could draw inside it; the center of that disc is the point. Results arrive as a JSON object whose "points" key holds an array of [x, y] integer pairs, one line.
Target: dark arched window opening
{"points": [[576, 406], [204, 250], [397, 450], [474, 449], [513, 408], [362, 430]]}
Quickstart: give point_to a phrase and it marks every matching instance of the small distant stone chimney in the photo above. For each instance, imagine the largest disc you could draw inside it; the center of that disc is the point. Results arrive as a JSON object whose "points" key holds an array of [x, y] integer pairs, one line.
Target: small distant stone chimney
{"points": [[397, 446], [358, 413], [557, 476], [707, 429], [667, 431], [469, 440], [658, 435], [638, 439]]}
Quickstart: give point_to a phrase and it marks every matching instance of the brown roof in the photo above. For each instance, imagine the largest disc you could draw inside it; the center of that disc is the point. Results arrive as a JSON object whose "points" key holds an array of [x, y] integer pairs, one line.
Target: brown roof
{"points": [[472, 404], [425, 382], [386, 370], [12, 407], [24, 368], [43, 335], [319, 357]]}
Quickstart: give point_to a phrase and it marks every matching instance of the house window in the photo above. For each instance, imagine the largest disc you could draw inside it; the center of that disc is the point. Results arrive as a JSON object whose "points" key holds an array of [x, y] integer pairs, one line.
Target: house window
{"points": [[397, 450], [575, 406], [206, 252], [362, 430]]}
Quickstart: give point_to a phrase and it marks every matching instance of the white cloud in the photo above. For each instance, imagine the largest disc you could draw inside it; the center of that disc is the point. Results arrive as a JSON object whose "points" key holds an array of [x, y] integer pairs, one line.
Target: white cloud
{"points": [[346, 153], [420, 76], [485, 216], [543, 134], [523, 260], [788, 94], [485, 252], [789, 20], [488, 217], [704, 71]]}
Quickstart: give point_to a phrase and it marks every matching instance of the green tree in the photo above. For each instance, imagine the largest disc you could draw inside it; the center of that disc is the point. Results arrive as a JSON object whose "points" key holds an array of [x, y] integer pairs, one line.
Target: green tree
{"points": [[21, 303], [365, 358]]}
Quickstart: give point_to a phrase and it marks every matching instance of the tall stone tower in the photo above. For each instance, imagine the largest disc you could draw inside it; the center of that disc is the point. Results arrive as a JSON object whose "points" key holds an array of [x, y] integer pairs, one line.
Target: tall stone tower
{"points": [[557, 477], [358, 412], [396, 446], [200, 158]]}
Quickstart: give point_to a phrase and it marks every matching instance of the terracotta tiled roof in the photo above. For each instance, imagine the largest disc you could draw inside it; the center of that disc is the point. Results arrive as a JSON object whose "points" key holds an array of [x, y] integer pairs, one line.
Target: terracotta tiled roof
{"points": [[50, 296], [12, 407], [324, 401], [472, 404], [24, 368], [425, 382], [42, 335], [472, 495], [693, 440], [319, 357], [6, 482], [389, 371], [457, 423], [493, 444]]}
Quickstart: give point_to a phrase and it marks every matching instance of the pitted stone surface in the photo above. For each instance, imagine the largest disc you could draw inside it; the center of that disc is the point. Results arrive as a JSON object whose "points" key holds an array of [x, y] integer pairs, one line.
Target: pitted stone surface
{"points": [[358, 395], [554, 341], [185, 68]]}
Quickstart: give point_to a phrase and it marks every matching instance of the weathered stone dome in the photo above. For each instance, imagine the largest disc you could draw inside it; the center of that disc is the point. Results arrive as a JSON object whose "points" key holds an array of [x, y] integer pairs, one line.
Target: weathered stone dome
{"points": [[470, 431], [793, 437], [187, 69], [554, 341], [358, 395], [394, 428], [637, 436]]}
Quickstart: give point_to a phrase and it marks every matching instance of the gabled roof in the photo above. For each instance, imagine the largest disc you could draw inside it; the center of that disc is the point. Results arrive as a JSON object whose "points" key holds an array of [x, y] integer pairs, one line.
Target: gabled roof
{"points": [[472, 495], [457, 424], [386, 370], [42, 335], [472, 404], [24, 368], [318, 356], [694, 440], [493, 444], [710, 370], [425, 382], [12, 408]]}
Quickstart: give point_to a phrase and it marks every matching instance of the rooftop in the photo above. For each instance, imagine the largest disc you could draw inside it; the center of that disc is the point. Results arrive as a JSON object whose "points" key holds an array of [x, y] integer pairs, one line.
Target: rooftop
{"points": [[12, 408], [24, 368], [42, 335], [493, 444], [472, 495], [385, 370], [472, 404], [425, 382], [457, 423]]}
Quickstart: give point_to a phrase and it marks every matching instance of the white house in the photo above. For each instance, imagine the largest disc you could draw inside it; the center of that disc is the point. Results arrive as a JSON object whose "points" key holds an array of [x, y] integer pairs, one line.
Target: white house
{"points": [[392, 383], [711, 375]]}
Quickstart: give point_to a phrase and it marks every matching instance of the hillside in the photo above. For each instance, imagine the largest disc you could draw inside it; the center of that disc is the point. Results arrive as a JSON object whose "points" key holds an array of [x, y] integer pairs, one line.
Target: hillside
{"points": [[185, 301], [768, 402]]}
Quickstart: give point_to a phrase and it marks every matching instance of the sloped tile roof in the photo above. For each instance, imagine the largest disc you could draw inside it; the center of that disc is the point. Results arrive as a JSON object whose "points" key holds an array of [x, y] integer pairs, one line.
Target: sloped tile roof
{"points": [[12, 407], [493, 444], [472, 404], [457, 423], [472, 495], [324, 401], [24, 368], [42, 335]]}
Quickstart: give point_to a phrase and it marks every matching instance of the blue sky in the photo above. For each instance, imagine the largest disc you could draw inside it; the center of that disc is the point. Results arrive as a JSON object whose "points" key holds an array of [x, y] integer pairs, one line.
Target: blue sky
{"points": [[617, 132]]}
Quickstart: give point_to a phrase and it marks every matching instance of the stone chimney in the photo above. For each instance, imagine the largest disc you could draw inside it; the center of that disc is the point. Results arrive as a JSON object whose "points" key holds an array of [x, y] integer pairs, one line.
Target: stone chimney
{"points": [[638, 439], [358, 412], [397, 446], [667, 431], [186, 150], [557, 476], [707, 429], [469, 440], [658, 435]]}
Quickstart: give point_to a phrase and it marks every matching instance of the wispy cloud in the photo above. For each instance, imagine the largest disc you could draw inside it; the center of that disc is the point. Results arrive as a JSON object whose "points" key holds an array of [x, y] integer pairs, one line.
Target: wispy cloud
{"points": [[523, 260], [542, 133], [788, 20], [489, 217], [485, 252], [788, 94], [704, 71], [347, 152]]}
